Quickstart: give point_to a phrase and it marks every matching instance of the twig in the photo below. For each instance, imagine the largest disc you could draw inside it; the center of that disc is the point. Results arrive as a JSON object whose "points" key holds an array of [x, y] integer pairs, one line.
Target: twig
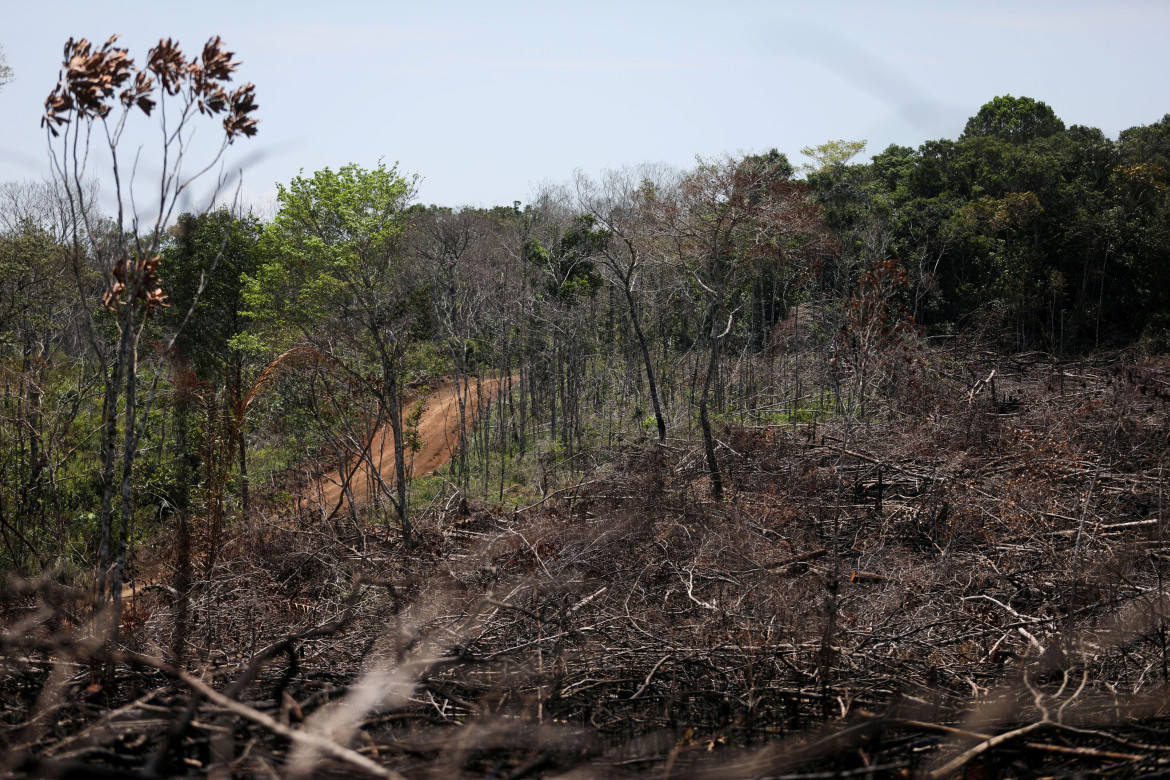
{"points": [[326, 746], [556, 492], [650, 676], [957, 763], [1077, 547], [1067, 750]]}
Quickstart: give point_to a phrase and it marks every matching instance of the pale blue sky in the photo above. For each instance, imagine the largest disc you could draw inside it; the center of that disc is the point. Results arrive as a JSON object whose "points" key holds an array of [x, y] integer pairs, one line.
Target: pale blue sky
{"points": [[486, 100]]}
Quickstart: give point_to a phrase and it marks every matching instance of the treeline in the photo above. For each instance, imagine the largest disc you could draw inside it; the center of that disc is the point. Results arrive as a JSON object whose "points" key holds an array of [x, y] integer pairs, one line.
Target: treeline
{"points": [[1044, 237], [177, 377]]}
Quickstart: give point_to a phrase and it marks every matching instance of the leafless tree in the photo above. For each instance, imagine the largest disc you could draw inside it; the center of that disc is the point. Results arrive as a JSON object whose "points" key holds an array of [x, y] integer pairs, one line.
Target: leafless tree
{"points": [[5, 69], [99, 92], [452, 242], [724, 216], [618, 203]]}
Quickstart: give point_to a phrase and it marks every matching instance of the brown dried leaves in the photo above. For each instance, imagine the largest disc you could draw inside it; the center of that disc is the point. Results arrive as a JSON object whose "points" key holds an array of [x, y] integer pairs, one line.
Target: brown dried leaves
{"points": [[90, 79], [139, 275]]}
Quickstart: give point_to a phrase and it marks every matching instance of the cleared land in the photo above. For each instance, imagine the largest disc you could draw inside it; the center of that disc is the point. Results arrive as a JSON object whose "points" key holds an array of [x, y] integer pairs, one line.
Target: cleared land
{"points": [[975, 588]]}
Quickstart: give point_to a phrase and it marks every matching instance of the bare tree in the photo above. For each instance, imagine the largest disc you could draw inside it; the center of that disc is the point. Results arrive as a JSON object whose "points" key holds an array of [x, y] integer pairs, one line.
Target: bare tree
{"points": [[618, 204], [560, 252], [722, 218], [5, 69], [100, 89], [449, 241]]}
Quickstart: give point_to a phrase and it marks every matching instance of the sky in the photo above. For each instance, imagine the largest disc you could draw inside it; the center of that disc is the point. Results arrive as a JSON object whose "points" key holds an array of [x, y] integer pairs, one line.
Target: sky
{"points": [[487, 101]]}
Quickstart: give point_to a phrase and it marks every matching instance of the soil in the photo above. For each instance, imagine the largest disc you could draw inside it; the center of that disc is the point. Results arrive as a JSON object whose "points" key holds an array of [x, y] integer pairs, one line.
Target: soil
{"points": [[438, 433]]}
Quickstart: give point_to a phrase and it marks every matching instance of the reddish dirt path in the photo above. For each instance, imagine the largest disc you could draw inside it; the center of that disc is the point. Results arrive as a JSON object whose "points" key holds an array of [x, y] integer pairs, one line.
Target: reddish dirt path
{"points": [[438, 431]]}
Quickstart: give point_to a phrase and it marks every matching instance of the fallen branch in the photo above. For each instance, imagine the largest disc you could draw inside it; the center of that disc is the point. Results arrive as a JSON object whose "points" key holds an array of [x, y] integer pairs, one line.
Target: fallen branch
{"points": [[1042, 747], [326, 746]]}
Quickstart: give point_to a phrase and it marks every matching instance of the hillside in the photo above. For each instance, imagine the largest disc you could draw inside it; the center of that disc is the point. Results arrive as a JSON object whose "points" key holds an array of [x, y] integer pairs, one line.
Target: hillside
{"points": [[437, 432], [872, 599], [851, 468]]}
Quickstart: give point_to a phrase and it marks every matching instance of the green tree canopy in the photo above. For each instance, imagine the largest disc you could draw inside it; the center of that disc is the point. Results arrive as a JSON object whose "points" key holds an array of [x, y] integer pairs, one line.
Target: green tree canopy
{"points": [[832, 154], [1013, 119], [206, 261], [772, 165], [334, 257], [568, 262]]}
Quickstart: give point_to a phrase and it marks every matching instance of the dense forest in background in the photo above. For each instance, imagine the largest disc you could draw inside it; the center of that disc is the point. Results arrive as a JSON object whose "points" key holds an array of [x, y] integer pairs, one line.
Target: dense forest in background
{"points": [[1051, 238], [187, 382]]}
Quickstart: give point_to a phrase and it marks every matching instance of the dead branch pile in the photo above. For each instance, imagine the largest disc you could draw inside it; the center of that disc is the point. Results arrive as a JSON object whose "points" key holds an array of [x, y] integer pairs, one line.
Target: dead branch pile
{"points": [[978, 588]]}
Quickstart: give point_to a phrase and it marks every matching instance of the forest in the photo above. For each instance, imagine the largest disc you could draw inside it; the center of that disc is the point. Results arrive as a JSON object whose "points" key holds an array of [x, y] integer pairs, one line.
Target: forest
{"points": [[759, 468]]}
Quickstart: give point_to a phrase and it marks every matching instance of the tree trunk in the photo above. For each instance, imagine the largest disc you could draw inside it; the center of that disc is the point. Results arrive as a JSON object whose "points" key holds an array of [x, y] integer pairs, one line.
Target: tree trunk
{"points": [[462, 388], [395, 407], [705, 422], [242, 446], [109, 453], [127, 357], [635, 320], [552, 397]]}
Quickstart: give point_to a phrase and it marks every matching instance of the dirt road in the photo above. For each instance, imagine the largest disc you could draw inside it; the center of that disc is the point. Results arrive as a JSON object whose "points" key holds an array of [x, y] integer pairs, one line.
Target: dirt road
{"points": [[438, 432]]}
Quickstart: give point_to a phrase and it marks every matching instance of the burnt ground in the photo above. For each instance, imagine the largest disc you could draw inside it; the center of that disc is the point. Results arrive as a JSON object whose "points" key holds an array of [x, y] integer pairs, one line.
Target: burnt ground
{"points": [[973, 589]]}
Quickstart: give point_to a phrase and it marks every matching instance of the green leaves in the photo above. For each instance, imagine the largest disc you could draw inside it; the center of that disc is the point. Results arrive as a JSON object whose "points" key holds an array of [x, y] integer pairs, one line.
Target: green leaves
{"points": [[333, 249], [1064, 232], [351, 215], [1016, 120], [230, 246], [568, 263], [832, 153]]}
